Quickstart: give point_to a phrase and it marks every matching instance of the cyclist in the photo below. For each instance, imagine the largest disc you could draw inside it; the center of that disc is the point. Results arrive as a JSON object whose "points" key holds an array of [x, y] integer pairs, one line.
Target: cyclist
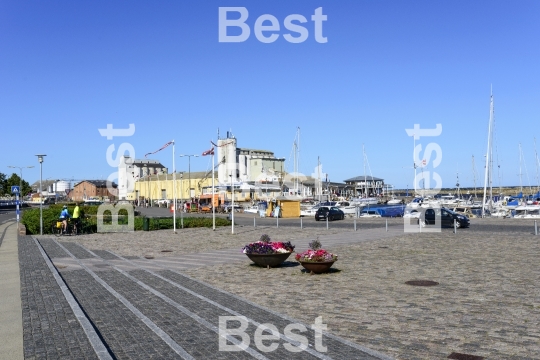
{"points": [[76, 218], [64, 216]]}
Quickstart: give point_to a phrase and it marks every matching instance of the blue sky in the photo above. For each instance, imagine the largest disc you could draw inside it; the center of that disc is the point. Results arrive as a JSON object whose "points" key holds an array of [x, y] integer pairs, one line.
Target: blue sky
{"points": [[68, 68]]}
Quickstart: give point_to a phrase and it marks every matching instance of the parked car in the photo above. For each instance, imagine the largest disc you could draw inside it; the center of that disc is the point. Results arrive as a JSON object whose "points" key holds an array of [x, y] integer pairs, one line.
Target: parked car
{"points": [[447, 218], [227, 208], [370, 214], [411, 214], [332, 213]]}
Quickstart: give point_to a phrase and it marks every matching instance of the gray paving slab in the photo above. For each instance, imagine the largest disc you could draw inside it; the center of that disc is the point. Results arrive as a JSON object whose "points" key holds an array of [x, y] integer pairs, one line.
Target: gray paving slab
{"points": [[124, 333], [51, 329], [121, 296], [218, 304]]}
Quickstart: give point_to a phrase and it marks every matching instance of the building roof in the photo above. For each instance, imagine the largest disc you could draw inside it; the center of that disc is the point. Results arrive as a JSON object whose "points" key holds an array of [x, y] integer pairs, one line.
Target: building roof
{"points": [[97, 183], [363, 178]]}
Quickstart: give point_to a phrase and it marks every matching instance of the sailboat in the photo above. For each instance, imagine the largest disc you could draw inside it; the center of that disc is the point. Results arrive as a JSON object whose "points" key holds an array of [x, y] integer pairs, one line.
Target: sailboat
{"points": [[487, 204], [366, 199]]}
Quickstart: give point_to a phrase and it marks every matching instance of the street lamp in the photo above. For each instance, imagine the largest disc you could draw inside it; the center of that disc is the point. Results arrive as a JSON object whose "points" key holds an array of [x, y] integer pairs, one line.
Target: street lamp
{"points": [[20, 179], [189, 170], [232, 204], [40, 159], [181, 197]]}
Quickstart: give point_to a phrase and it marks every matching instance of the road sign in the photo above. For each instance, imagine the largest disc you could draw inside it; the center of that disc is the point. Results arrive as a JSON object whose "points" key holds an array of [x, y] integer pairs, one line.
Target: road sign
{"points": [[15, 189]]}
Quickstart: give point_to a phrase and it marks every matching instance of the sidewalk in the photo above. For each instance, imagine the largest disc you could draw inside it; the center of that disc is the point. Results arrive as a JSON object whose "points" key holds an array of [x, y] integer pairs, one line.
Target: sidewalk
{"points": [[11, 331]]}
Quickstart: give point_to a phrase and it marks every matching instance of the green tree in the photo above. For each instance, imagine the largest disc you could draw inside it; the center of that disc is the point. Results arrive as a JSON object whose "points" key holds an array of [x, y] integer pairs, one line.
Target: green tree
{"points": [[2, 184], [15, 179]]}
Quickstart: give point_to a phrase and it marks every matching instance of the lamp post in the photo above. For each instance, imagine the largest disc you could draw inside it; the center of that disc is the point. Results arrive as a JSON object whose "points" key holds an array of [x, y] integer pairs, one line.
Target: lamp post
{"points": [[181, 197], [20, 179], [189, 170], [40, 159], [232, 204]]}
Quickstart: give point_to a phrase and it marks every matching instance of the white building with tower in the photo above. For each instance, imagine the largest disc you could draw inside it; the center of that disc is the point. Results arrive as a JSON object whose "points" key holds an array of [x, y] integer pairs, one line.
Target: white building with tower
{"points": [[246, 165], [131, 170]]}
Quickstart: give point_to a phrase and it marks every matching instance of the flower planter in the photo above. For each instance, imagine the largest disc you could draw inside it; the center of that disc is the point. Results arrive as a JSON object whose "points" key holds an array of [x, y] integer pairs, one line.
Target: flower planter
{"points": [[317, 267], [268, 260]]}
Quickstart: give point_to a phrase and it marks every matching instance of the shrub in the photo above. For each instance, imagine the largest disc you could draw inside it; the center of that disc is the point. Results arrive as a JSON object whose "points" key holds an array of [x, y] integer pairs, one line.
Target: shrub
{"points": [[30, 219]]}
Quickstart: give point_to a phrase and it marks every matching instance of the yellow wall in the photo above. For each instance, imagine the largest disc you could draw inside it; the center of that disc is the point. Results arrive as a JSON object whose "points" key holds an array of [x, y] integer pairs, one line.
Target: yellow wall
{"points": [[151, 189], [289, 209]]}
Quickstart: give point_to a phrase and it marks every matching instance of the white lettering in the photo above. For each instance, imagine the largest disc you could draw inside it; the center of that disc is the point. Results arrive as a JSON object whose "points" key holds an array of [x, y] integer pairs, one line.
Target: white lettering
{"points": [[296, 28], [318, 18], [417, 132], [240, 331], [291, 23], [121, 151], [224, 23], [318, 328], [110, 132], [288, 332], [260, 337], [260, 27]]}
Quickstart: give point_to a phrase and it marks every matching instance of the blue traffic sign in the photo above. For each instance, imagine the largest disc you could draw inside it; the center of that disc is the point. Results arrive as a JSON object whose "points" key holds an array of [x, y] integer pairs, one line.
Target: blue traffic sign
{"points": [[15, 189]]}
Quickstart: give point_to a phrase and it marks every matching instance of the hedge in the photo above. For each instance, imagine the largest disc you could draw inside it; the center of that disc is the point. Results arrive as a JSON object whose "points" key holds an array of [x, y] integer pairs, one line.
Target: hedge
{"points": [[30, 219]]}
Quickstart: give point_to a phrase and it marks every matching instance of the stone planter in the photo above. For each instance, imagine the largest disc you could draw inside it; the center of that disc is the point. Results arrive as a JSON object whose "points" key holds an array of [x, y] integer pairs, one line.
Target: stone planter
{"points": [[268, 260], [317, 267]]}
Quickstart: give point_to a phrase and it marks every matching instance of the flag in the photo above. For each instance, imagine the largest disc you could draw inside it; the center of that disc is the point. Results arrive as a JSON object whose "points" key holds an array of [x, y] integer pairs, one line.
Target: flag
{"points": [[208, 152], [163, 147]]}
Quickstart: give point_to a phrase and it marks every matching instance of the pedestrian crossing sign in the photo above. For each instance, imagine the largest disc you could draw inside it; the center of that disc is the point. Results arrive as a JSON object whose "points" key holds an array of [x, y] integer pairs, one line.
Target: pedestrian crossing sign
{"points": [[15, 189]]}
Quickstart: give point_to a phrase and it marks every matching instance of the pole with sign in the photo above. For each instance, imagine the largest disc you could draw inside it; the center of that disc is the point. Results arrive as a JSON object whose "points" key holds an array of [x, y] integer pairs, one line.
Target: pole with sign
{"points": [[16, 190]]}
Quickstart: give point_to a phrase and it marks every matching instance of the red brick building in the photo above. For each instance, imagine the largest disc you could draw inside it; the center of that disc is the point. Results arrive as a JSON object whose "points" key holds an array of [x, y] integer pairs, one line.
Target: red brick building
{"points": [[94, 189]]}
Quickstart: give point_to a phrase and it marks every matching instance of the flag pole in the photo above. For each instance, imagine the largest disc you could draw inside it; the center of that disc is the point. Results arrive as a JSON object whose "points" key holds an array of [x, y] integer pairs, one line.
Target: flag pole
{"points": [[174, 188], [213, 194]]}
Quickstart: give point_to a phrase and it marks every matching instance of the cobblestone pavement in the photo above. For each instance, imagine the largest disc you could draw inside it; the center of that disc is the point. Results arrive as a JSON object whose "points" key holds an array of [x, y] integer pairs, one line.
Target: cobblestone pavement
{"points": [[142, 314], [50, 328], [487, 302]]}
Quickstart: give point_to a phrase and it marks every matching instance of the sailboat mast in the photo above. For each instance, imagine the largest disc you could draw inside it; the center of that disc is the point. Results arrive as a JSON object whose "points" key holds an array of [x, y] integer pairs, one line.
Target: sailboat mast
{"points": [[457, 183], [319, 187], [474, 175], [365, 180], [294, 168], [298, 159], [537, 166], [520, 173], [487, 175], [414, 164]]}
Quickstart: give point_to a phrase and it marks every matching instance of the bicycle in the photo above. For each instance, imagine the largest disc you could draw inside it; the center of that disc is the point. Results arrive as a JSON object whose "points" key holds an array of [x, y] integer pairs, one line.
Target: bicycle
{"points": [[57, 228], [84, 226]]}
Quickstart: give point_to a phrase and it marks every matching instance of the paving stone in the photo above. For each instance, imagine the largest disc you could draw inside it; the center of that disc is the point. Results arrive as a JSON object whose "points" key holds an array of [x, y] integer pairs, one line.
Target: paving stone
{"points": [[44, 307], [123, 332]]}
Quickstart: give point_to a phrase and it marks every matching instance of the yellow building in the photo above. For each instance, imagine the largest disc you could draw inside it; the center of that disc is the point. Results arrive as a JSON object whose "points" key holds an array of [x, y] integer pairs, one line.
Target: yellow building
{"points": [[162, 187]]}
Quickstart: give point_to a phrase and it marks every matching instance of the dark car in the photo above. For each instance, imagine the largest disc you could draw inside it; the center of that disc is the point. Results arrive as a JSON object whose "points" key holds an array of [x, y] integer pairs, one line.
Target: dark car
{"points": [[447, 218], [332, 213]]}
